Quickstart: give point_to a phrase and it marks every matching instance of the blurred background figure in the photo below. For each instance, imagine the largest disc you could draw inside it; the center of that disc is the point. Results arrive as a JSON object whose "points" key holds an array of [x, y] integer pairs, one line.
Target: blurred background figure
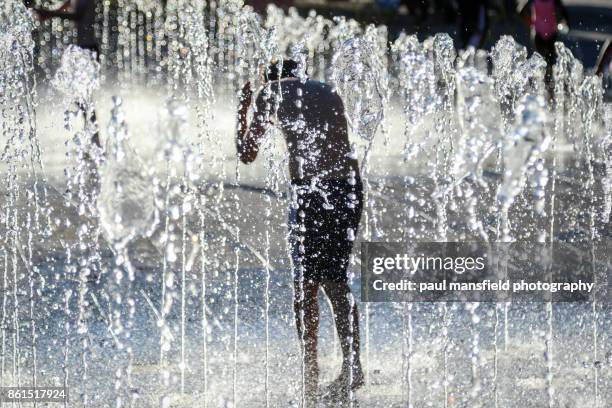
{"points": [[473, 22], [260, 5], [545, 17], [604, 61], [83, 14], [417, 8], [604, 68]]}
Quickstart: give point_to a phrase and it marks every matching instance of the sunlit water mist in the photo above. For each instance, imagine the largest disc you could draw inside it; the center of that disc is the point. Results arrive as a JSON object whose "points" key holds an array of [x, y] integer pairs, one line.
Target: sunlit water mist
{"points": [[152, 269]]}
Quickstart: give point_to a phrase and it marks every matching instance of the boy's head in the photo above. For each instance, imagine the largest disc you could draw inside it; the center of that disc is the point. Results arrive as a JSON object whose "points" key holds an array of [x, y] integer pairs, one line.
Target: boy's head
{"points": [[287, 68]]}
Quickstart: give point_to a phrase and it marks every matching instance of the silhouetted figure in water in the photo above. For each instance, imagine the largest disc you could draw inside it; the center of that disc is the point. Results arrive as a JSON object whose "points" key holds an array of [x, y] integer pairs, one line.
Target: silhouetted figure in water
{"points": [[83, 13], [604, 60], [473, 22], [544, 18], [325, 208]]}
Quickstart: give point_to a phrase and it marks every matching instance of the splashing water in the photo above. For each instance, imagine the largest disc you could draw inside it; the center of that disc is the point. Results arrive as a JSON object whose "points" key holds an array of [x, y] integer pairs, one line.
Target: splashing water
{"points": [[158, 265], [526, 142], [480, 131], [126, 202], [357, 78], [78, 75]]}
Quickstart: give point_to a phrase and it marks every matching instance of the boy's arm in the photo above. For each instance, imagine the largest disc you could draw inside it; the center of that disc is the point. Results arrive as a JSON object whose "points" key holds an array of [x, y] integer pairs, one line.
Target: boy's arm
{"points": [[249, 136]]}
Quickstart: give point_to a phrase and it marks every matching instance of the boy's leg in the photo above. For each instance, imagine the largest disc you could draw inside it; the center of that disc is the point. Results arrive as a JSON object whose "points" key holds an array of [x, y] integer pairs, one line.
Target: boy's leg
{"points": [[347, 326], [306, 308]]}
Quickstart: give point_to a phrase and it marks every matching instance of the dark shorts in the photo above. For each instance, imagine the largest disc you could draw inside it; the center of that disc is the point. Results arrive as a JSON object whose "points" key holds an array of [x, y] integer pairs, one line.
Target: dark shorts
{"points": [[323, 223]]}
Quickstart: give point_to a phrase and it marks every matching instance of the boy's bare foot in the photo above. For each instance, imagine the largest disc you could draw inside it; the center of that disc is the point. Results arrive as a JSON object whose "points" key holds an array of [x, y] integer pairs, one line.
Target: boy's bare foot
{"points": [[311, 389], [345, 379], [311, 401], [339, 390]]}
